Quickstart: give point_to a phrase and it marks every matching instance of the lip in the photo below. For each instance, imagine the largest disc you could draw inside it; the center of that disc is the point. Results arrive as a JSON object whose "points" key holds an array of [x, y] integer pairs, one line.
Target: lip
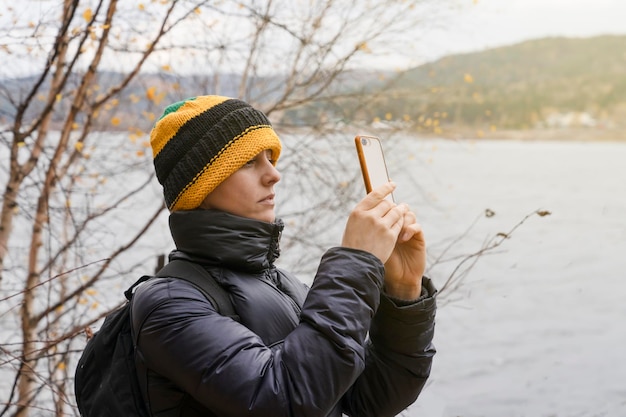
{"points": [[268, 199]]}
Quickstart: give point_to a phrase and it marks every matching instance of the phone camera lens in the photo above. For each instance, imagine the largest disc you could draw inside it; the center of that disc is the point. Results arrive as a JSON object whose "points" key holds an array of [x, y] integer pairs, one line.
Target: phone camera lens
{"points": [[364, 141]]}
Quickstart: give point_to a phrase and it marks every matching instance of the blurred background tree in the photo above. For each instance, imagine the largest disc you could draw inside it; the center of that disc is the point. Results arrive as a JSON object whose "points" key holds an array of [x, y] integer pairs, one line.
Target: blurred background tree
{"points": [[81, 85]]}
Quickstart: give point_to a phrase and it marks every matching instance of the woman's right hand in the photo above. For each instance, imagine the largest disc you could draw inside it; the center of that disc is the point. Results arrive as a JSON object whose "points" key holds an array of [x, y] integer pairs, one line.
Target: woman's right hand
{"points": [[374, 223]]}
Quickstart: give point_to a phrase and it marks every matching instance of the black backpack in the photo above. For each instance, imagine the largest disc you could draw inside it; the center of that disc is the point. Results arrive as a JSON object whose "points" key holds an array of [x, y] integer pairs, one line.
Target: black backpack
{"points": [[106, 383]]}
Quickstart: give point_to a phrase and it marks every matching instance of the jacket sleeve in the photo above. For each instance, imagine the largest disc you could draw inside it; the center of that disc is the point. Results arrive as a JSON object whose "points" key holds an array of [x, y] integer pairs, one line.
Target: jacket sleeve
{"points": [[398, 359], [229, 370]]}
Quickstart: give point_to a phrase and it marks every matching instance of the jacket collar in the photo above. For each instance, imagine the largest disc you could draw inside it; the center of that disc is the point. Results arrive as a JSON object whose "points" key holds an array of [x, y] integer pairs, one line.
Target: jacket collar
{"points": [[213, 237]]}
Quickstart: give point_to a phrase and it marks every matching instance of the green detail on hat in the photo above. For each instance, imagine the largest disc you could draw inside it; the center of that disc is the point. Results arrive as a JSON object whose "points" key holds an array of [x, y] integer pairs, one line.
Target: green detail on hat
{"points": [[175, 106]]}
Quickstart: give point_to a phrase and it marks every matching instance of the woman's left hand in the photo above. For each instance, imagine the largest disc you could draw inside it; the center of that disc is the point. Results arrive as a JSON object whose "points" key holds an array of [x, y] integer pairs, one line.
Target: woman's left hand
{"points": [[406, 265]]}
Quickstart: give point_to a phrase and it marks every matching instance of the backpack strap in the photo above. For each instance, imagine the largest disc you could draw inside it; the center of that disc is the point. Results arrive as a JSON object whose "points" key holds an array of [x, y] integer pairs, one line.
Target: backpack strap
{"points": [[204, 281], [131, 290]]}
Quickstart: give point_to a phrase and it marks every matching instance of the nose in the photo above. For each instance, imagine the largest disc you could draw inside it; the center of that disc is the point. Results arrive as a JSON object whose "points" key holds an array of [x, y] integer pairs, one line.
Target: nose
{"points": [[272, 174]]}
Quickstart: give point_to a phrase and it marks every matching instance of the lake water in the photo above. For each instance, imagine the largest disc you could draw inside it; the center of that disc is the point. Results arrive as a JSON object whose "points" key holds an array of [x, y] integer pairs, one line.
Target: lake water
{"points": [[538, 327]]}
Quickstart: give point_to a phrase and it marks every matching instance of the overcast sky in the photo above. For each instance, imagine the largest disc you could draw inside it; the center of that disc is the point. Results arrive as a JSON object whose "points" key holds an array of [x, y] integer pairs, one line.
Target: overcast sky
{"points": [[466, 26], [481, 24]]}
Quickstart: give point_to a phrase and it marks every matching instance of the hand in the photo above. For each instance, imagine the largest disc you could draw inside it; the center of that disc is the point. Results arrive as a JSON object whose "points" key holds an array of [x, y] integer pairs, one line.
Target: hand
{"points": [[375, 223], [405, 267]]}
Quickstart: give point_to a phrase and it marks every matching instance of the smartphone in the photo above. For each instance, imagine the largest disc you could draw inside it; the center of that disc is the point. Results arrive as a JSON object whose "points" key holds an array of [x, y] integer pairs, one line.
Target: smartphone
{"points": [[372, 161]]}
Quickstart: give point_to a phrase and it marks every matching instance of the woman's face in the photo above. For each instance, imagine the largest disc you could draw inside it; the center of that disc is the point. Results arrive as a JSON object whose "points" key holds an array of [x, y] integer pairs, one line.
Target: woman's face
{"points": [[249, 191]]}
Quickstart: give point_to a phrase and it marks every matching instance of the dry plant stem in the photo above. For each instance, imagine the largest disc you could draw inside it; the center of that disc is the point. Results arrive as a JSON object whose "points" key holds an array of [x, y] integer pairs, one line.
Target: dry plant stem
{"points": [[453, 279]]}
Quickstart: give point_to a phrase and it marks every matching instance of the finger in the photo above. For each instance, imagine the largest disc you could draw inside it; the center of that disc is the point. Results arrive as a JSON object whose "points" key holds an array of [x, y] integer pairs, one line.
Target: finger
{"points": [[410, 232], [409, 217], [377, 195], [394, 218]]}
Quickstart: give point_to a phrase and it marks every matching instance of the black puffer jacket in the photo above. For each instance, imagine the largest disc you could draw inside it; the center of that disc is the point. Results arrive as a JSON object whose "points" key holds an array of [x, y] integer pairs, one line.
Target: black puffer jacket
{"points": [[296, 352]]}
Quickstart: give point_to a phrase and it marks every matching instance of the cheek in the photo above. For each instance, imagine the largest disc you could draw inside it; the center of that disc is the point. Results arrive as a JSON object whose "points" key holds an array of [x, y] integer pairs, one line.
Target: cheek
{"points": [[239, 186]]}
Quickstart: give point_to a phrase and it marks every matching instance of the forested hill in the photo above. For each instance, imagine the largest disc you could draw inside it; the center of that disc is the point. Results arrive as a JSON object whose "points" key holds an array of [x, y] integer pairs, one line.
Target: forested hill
{"points": [[553, 82]]}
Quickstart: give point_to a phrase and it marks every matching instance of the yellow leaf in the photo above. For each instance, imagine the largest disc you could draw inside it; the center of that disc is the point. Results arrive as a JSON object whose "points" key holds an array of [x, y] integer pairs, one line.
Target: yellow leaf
{"points": [[141, 7], [61, 366], [363, 47], [166, 68], [151, 93], [31, 24], [115, 121], [480, 133], [197, 10], [406, 118], [145, 143], [493, 128], [388, 116], [140, 153], [75, 126], [376, 119], [88, 14], [468, 78], [79, 146], [94, 305], [59, 97], [437, 130], [91, 291]]}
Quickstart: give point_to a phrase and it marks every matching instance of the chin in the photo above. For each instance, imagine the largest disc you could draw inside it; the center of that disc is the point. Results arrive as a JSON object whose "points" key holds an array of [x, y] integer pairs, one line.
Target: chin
{"points": [[270, 218]]}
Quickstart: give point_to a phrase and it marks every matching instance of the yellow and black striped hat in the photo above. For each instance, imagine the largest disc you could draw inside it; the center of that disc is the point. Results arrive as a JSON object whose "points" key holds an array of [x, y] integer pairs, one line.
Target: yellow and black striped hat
{"points": [[201, 141]]}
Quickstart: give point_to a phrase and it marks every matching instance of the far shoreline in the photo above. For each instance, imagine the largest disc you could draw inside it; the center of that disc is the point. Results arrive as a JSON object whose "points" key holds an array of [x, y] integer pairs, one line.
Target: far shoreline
{"points": [[536, 135], [569, 134]]}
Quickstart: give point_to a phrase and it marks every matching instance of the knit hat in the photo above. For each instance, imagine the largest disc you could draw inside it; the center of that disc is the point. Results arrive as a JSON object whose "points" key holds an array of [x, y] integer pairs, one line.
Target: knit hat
{"points": [[201, 141]]}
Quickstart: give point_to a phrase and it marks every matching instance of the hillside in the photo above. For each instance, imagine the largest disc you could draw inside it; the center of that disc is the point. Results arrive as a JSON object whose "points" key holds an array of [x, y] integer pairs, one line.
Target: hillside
{"points": [[542, 86], [547, 83]]}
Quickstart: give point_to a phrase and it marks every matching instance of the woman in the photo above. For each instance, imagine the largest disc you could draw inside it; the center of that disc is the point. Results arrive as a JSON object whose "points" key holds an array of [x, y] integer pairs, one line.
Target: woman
{"points": [[357, 342]]}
